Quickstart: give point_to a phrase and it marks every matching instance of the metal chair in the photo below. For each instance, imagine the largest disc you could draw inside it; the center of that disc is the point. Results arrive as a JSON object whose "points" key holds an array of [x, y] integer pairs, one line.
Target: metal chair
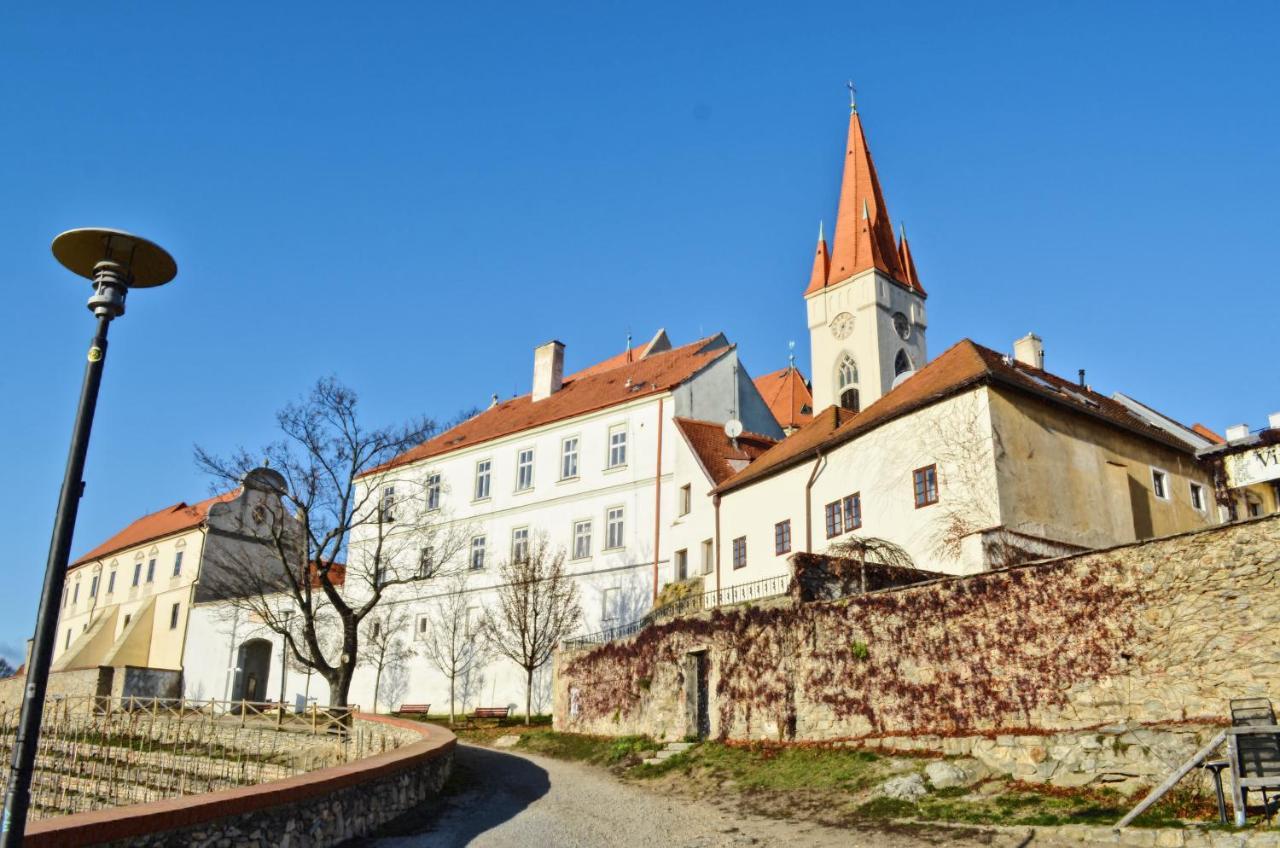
{"points": [[1257, 754]]}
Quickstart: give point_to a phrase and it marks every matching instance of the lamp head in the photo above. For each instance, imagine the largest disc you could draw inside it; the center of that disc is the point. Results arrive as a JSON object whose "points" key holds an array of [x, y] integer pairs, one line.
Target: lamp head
{"points": [[115, 261]]}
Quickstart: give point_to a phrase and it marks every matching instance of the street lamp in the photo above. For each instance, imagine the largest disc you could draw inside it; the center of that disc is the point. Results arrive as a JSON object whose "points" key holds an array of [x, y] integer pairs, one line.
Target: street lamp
{"points": [[115, 261]]}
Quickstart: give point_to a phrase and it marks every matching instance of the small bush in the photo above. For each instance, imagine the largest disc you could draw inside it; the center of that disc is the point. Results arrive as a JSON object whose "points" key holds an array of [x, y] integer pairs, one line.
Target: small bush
{"points": [[858, 649]]}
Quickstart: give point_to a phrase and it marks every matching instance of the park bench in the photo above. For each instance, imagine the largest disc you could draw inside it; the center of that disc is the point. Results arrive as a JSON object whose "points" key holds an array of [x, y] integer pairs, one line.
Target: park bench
{"points": [[496, 714], [414, 709]]}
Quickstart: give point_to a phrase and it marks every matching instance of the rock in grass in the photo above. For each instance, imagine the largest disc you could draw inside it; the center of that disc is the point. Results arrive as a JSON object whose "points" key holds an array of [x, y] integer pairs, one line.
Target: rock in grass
{"points": [[944, 775], [508, 741], [908, 787]]}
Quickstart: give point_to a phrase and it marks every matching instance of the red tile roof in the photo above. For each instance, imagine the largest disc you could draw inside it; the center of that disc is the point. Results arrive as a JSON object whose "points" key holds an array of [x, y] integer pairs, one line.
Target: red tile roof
{"points": [[788, 397], [655, 373], [172, 519], [961, 366], [720, 457], [657, 344]]}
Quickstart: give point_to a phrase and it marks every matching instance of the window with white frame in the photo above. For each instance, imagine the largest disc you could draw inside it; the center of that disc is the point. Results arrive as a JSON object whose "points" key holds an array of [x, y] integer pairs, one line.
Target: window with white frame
{"points": [[708, 556], [520, 544], [524, 470], [75, 594], [682, 564], [1197, 496], [852, 511], [477, 552], [613, 528], [111, 582], [424, 626], [93, 587], [569, 458], [611, 606], [1160, 484], [151, 570], [433, 491], [137, 573], [740, 552], [174, 612], [618, 446], [426, 562], [581, 539], [483, 468], [177, 564], [685, 503], [386, 508]]}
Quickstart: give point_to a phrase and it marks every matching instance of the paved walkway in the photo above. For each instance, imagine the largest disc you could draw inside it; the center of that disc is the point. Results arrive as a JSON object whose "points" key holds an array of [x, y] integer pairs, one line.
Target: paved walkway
{"points": [[519, 801]]}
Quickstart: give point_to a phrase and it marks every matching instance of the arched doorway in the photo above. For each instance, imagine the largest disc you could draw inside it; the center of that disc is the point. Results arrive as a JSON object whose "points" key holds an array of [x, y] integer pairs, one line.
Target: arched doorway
{"points": [[254, 664]]}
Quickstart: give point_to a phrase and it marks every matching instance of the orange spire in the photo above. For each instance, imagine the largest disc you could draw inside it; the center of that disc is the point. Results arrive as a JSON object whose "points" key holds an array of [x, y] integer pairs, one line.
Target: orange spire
{"points": [[908, 264], [821, 264], [864, 236]]}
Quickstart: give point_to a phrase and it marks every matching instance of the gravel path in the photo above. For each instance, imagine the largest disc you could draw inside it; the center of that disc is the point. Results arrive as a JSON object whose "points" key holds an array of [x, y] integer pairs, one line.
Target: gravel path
{"points": [[520, 801]]}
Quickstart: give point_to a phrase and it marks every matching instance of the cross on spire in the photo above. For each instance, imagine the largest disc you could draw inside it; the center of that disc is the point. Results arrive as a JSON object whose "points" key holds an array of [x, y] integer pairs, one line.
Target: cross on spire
{"points": [[853, 96]]}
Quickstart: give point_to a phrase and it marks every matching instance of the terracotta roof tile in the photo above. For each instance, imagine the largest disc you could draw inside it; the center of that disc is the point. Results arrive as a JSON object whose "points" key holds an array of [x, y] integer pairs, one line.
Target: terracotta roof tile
{"points": [[657, 344], [1201, 430], [788, 397], [651, 375], [720, 457], [962, 365], [172, 519]]}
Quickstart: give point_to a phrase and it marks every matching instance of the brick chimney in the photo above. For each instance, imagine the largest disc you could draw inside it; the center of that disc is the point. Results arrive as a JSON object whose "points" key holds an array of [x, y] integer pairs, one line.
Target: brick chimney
{"points": [[548, 369], [1029, 350]]}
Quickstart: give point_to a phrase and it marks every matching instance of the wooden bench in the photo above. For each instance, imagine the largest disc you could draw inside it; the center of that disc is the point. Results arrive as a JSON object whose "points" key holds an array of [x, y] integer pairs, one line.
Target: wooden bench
{"points": [[494, 713], [414, 709]]}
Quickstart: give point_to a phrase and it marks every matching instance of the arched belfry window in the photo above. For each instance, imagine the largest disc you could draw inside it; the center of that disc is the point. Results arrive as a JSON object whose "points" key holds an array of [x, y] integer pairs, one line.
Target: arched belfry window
{"points": [[901, 363], [847, 380]]}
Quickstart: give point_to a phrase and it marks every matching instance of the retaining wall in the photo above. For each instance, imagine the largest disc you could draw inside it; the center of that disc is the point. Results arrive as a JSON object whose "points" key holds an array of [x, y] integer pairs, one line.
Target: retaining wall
{"points": [[320, 808], [1026, 664]]}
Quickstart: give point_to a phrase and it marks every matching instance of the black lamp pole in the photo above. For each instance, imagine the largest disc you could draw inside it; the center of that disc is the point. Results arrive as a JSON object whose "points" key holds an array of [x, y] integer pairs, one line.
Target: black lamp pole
{"points": [[115, 261]]}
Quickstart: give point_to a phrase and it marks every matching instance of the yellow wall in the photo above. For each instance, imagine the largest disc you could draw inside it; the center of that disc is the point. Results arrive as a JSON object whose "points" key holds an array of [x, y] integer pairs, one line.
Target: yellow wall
{"points": [[1066, 476]]}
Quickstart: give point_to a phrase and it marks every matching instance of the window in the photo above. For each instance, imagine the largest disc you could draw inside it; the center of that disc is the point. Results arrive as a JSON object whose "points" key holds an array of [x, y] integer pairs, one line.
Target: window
{"points": [[834, 520], [1197, 496], [433, 491], [782, 537], [847, 380], [127, 619], [137, 573], [377, 630], [708, 556], [1160, 484], [613, 527], [852, 511], [387, 508], [173, 616], [610, 606], [1254, 507], [67, 643], [477, 552], [901, 364], [482, 479], [151, 570], [93, 587], [111, 583], [66, 590], [686, 498], [569, 458], [926, 485], [618, 446], [682, 564], [520, 544], [426, 562], [740, 552], [524, 470], [424, 623], [177, 564], [75, 595], [581, 539]]}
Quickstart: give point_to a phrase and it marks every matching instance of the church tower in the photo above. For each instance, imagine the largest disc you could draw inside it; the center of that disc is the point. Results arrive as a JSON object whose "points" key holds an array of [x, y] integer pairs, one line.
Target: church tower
{"points": [[864, 300]]}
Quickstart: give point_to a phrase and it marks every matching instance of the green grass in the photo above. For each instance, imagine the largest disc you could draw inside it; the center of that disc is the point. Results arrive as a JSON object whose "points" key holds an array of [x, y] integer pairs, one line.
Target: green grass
{"points": [[775, 767], [598, 750]]}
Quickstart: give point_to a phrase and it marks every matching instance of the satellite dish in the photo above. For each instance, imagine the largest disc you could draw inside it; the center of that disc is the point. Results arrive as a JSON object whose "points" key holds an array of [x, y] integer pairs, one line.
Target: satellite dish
{"points": [[733, 428], [902, 378]]}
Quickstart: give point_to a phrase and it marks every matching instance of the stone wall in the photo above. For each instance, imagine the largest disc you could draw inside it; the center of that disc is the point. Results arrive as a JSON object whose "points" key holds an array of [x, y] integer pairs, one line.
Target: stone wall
{"points": [[81, 682], [1026, 663], [322, 808]]}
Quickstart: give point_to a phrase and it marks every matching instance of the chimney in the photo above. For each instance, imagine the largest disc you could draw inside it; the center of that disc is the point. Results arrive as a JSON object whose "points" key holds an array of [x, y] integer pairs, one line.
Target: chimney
{"points": [[1029, 350], [548, 369], [1237, 431], [1273, 421]]}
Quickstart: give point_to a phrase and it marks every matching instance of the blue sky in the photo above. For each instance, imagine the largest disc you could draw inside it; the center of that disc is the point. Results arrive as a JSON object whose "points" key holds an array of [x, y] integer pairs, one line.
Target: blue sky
{"points": [[412, 198]]}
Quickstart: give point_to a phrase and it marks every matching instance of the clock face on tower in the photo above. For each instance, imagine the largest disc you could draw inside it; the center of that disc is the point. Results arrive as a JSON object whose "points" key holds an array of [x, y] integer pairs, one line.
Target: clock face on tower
{"points": [[901, 325], [842, 325]]}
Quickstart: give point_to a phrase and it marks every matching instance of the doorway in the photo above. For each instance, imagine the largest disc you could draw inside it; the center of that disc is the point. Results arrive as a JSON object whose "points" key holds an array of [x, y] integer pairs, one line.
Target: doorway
{"points": [[698, 694], [254, 663]]}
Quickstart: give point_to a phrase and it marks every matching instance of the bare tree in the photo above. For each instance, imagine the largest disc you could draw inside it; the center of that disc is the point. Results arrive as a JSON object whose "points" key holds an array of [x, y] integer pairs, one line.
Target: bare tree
{"points": [[337, 492], [537, 606], [388, 645], [880, 551], [452, 642]]}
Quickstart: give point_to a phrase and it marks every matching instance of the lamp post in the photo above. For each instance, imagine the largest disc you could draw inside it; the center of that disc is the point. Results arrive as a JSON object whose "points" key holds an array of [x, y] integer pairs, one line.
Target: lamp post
{"points": [[287, 615], [115, 261]]}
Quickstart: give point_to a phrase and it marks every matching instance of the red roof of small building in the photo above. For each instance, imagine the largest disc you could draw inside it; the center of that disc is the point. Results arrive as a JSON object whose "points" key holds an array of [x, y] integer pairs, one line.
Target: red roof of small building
{"points": [[172, 519], [961, 366], [720, 456], [657, 344], [1201, 430], [788, 397], [657, 372]]}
